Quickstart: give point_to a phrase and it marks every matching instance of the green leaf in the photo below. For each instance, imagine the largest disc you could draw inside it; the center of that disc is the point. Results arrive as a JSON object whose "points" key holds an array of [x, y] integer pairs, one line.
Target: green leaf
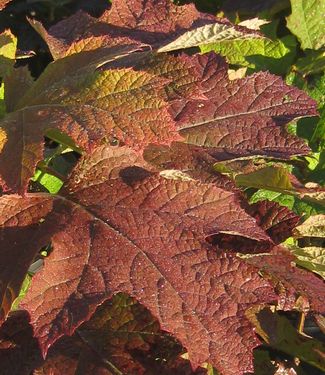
{"points": [[277, 331], [50, 182], [272, 178], [8, 45], [311, 257], [2, 101], [257, 54], [295, 204], [307, 22], [23, 291], [211, 33], [312, 129], [262, 363], [312, 227], [313, 62]]}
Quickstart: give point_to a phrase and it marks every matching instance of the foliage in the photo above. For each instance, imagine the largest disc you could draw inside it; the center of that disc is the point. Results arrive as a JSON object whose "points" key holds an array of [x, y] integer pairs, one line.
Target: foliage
{"points": [[151, 193]]}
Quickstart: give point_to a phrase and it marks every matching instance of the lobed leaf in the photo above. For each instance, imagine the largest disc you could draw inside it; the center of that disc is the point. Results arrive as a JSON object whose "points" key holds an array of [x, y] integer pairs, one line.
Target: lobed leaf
{"points": [[153, 237], [292, 282], [158, 24], [122, 337], [120, 105], [243, 117]]}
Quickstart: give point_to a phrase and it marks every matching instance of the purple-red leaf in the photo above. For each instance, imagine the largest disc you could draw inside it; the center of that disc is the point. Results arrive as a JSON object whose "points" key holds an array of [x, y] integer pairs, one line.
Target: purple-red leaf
{"points": [[292, 282], [152, 23], [242, 117], [277, 221], [118, 106], [148, 240], [121, 336]]}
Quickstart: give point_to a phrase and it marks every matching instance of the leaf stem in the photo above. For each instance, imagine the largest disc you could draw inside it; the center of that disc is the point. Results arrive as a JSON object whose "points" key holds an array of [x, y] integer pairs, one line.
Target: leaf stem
{"points": [[301, 323]]}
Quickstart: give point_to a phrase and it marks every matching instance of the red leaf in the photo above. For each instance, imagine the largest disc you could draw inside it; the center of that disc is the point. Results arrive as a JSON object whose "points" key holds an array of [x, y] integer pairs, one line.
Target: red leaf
{"points": [[153, 23], [121, 336], [121, 105], [292, 282], [242, 117], [148, 240], [277, 221]]}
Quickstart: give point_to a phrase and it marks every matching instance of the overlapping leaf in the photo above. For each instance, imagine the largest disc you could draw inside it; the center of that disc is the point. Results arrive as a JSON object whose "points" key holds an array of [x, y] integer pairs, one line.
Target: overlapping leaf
{"points": [[147, 240], [8, 44], [158, 24], [121, 337], [278, 222], [129, 106], [120, 105], [258, 54], [311, 258], [281, 335], [169, 240], [292, 282], [242, 117]]}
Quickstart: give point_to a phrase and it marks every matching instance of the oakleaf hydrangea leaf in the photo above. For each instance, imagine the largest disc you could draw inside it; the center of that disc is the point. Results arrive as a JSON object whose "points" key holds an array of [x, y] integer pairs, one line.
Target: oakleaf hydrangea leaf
{"points": [[120, 106], [121, 336], [194, 161], [314, 226], [17, 84], [242, 117], [292, 282], [158, 24], [277, 221], [153, 237], [313, 62], [8, 45], [311, 258], [277, 331]]}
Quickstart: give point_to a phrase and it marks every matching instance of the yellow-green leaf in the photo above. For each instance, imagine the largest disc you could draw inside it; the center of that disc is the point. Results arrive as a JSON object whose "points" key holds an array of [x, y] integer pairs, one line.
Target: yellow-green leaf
{"points": [[312, 227]]}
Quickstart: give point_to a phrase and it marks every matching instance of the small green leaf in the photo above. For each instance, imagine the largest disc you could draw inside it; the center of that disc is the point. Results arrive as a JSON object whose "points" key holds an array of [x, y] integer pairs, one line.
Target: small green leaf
{"points": [[257, 54], [50, 182], [277, 331], [266, 178], [8, 45], [311, 257], [2, 101], [22, 293]]}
